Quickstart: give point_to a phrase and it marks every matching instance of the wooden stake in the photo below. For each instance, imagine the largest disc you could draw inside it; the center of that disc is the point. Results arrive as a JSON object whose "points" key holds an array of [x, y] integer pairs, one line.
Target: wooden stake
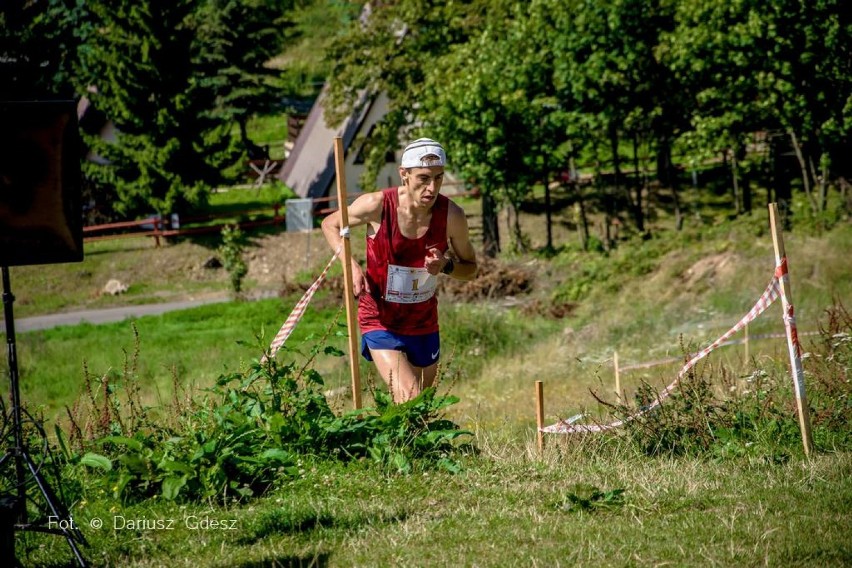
{"points": [[617, 375], [539, 413], [349, 294], [790, 327], [745, 343]]}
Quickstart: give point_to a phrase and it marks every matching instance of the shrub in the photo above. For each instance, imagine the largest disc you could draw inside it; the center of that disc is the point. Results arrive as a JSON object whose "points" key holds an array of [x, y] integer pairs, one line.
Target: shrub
{"points": [[251, 429], [232, 255]]}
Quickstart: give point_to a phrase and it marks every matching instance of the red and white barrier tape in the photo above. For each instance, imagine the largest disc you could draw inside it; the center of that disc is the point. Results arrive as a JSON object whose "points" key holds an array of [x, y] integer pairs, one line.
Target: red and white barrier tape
{"points": [[789, 317], [772, 293], [301, 306]]}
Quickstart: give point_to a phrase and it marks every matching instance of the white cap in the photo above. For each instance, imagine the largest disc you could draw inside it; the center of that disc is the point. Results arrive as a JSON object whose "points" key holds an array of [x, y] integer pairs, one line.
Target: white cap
{"points": [[423, 153]]}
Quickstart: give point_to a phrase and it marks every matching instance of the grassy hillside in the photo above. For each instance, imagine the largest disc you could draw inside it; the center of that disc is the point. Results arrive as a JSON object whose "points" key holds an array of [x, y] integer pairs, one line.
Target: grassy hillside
{"points": [[608, 500], [647, 299], [651, 300]]}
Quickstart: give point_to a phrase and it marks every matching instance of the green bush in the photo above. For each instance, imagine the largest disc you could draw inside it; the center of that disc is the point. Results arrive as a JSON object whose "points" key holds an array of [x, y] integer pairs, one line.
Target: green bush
{"points": [[248, 432], [231, 250]]}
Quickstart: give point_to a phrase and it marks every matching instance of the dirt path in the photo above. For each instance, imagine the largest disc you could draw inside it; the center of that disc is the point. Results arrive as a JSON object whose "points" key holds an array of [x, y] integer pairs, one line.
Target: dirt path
{"points": [[107, 315]]}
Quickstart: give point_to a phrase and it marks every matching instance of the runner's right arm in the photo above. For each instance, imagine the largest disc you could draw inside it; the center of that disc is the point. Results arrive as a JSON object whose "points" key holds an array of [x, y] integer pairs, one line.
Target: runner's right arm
{"points": [[365, 210]]}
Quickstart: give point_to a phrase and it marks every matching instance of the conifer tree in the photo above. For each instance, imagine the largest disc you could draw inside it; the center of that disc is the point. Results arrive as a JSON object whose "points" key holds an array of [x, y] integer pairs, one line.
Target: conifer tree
{"points": [[240, 38], [140, 72]]}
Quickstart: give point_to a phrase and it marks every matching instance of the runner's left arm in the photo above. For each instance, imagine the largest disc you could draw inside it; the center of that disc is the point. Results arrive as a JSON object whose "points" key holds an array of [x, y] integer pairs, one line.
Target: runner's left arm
{"points": [[464, 266]]}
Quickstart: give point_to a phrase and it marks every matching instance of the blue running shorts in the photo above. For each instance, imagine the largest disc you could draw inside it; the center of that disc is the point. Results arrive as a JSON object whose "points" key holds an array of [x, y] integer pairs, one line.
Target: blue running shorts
{"points": [[421, 350]]}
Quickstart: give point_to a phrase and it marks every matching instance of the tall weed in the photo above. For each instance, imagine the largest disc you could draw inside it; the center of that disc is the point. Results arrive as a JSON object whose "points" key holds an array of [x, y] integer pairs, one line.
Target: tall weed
{"points": [[716, 412]]}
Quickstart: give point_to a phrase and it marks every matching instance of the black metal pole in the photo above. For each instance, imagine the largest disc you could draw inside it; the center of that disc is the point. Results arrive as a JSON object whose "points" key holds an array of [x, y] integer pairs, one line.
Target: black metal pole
{"points": [[14, 389], [19, 452]]}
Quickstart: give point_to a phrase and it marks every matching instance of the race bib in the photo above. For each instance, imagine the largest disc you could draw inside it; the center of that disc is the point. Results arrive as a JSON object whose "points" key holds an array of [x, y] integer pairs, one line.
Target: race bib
{"points": [[408, 285]]}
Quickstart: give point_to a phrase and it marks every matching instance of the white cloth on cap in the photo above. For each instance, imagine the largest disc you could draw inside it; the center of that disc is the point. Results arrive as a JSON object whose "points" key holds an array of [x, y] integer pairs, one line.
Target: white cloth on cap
{"points": [[423, 153]]}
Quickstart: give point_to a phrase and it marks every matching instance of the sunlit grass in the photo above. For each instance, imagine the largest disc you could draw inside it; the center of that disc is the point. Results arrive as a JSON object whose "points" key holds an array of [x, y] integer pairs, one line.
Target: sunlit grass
{"points": [[683, 512]]}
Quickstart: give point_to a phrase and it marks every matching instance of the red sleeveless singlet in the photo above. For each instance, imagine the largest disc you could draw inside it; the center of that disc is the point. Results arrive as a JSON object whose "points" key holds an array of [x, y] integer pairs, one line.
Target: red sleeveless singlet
{"points": [[399, 307]]}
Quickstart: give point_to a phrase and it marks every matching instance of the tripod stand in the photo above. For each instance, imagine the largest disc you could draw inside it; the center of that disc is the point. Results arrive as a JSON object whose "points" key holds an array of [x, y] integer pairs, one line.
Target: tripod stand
{"points": [[60, 521]]}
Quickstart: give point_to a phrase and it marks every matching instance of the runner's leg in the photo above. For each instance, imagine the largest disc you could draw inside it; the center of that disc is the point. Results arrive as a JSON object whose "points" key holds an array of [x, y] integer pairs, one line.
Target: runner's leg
{"points": [[428, 374], [405, 381]]}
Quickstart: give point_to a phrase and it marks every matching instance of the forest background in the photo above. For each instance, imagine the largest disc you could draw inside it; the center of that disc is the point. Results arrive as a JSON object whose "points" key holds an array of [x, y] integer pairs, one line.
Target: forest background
{"points": [[519, 92]]}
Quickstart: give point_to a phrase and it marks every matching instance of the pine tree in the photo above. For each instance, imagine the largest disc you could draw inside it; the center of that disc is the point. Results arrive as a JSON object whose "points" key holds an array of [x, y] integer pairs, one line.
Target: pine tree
{"points": [[141, 68], [240, 38]]}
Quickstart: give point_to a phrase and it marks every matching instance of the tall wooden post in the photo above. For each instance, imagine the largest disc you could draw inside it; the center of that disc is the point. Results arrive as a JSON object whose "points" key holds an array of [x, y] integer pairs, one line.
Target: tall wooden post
{"points": [[539, 413], [349, 295], [790, 327], [617, 375]]}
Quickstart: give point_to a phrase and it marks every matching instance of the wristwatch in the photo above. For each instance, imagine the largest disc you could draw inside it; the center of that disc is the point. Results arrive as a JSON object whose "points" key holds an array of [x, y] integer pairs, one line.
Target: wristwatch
{"points": [[449, 267]]}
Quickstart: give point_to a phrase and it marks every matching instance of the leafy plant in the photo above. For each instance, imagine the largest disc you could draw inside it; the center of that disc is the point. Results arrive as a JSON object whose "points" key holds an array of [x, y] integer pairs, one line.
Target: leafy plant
{"points": [[232, 255], [249, 431]]}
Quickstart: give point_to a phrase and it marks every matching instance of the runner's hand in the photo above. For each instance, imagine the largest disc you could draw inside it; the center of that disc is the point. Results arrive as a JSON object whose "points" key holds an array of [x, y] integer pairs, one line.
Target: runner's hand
{"points": [[359, 280], [434, 261]]}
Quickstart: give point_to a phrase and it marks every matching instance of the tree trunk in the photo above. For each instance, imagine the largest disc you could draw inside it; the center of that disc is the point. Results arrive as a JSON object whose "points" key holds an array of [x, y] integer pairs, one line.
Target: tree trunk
{"points": [[845, 194], [668, 178], [822, 188], [513, 226], [735, 186], [490, 227], [638, 216], [745, 181], [520, 245], [582, 222], [676, 199], [548, 214], [613, 147], [806, 182], [780, 178], [678, 212], [572, 165], [616, 162], [664, 163]]}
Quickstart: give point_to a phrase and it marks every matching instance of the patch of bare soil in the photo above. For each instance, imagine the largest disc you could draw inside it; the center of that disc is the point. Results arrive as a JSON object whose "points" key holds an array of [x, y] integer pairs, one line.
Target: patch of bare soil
{"points": [[709, 270], [549, 309], [494, 280], [288, 262], [508, 284], [276, 261]]}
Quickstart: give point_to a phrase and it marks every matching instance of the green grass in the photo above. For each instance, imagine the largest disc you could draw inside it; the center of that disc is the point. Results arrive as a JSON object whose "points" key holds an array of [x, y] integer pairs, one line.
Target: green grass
{"points": [[152, 274], [584, 501], [644, 313], [241, 203], [269, 130], [193, 347], [508, 508], [316, 23], [190, 347]]}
